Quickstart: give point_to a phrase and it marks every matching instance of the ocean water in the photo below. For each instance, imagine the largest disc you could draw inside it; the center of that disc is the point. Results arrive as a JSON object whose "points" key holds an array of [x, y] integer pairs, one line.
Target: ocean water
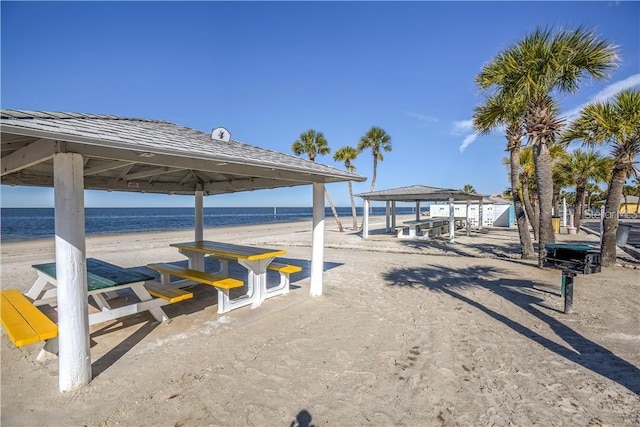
{"points": [[19, 224]]}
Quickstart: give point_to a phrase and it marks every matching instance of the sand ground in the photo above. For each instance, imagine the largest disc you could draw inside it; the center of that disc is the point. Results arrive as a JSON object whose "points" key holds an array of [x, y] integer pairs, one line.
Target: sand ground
{"points": [[406, 333]]}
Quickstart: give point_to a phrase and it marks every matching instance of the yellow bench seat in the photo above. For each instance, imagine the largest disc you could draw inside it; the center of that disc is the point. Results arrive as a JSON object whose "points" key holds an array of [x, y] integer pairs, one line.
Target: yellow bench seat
{"points": [[284, 268], [23, 322], [167, 293], [217, 281]]}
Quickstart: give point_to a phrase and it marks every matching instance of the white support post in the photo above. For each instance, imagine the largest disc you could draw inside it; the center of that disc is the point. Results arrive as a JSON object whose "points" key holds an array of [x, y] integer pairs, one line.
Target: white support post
{"points": [[480, 211], [199, 214], [387, 216], [317, 243], [417, 210], [468, 219], [393, 214], [71, 272], [452, 221], [365, 220], [564, 212]]}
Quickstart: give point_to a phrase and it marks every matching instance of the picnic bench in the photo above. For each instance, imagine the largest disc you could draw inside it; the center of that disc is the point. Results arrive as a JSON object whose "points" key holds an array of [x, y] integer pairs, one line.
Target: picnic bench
{"points": [[422, 228], [285, 270], [255, 259], [222, 283], [23, 322], [104, 280]]}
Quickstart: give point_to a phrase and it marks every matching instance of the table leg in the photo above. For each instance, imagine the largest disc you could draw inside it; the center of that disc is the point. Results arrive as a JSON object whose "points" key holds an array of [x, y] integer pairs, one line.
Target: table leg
{"points": [[42, 284], [257, 278], [196, 259]]}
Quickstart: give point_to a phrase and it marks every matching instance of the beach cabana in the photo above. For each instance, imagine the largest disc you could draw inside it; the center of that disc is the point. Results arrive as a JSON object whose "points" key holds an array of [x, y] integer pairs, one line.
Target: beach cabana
{"points": [[417, 194], [72, 152]]}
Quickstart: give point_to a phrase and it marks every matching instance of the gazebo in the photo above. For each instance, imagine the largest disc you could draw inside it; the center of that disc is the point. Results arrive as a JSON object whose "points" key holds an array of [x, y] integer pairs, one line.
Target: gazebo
{"points": [[72, 152], [416, 194]]}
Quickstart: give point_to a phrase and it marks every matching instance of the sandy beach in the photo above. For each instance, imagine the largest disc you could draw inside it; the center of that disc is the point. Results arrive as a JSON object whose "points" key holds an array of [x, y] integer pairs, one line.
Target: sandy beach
{"points": [[407, 333]]}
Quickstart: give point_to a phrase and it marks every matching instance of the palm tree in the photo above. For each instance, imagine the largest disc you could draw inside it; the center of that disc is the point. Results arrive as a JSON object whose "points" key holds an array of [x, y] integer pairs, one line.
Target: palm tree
{"points": [[487, 117], [581, 167], [313, 143], [591, 189], [377, 140], [468, 188], [347, 155], [531, 71], [615, 123], [529, 189]]}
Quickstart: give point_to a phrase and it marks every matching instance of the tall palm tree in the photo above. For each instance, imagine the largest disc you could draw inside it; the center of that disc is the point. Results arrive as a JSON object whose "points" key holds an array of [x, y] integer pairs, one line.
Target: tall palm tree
{"points": [[533, 70], [529, 189], [487, 117], [377, 140], [347, 155], [582, 167], [615, 123], [312, 144]]}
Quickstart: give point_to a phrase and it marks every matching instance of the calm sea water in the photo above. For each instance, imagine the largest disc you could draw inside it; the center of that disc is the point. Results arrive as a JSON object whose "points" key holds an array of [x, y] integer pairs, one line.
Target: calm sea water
{"points": [[20, 224]]}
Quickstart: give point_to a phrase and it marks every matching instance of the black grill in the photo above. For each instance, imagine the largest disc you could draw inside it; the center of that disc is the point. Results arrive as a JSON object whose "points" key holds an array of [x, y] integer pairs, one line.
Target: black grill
{"points": [[581, 259]]}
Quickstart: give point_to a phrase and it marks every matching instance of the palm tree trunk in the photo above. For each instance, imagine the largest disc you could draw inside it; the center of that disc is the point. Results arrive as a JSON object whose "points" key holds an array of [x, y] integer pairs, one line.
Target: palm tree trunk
{"points": [[526, 198], [353, 207], [526, 246], [375, 167], [333, 209], [578, 207], [610, 221], [544, 181]]}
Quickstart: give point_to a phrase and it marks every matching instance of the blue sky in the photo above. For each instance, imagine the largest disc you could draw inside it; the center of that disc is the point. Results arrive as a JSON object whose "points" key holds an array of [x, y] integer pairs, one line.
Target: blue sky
{"points": [[268, 71]]}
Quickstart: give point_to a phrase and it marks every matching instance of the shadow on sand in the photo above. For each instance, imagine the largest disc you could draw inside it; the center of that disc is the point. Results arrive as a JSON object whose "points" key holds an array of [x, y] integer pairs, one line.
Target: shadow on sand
{"points": [[522, 293]]}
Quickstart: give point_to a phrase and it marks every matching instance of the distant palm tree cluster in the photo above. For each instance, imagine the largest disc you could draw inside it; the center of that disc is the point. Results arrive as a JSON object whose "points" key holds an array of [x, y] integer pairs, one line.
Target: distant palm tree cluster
{"points": [[521, 85], [313, 143]]}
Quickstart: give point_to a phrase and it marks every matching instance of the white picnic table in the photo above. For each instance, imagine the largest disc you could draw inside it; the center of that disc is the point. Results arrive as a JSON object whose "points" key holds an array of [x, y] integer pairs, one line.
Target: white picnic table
{"points": [[255, 259]]}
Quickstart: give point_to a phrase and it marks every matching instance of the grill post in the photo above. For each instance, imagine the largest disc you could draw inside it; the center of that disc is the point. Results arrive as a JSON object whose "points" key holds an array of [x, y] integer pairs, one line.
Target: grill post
{"points": [[567, 290]]}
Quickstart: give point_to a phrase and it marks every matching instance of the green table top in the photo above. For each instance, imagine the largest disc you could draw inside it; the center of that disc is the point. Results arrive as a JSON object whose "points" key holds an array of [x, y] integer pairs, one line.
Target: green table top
{"points": [[570, 246], [100, 274]]}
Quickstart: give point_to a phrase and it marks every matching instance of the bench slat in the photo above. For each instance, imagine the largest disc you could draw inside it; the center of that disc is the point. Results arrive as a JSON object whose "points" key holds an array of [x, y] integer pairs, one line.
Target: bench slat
{"points": [[197, 276], [167, 293], [24, 323]]}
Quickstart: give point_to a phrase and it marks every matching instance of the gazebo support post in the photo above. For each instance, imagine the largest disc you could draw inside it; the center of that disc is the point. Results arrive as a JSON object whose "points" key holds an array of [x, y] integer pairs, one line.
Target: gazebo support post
{"points": [[197, 262], [387, 220], [468, 221], [393, 214], [452, 221], [417, 210], [365, 219], [74, 361], [317, 243], [480, 219], [199, 214]]}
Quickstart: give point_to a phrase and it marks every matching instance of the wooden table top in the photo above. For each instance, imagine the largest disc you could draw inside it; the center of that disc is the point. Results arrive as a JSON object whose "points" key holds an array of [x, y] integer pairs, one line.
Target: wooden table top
{"points": [[250, 253], [100, 274]]}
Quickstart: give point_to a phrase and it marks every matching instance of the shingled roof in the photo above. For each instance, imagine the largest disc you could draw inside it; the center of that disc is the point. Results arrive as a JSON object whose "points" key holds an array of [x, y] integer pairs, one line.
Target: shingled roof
{"points": [[414, 193], [131, 154]]}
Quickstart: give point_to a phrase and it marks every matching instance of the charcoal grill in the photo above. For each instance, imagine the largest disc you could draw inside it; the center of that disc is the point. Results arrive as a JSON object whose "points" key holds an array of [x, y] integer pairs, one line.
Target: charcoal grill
{"points": [[572, 259]]}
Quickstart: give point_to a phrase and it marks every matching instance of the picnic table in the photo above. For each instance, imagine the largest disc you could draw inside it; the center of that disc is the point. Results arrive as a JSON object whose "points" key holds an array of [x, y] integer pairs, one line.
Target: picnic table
{"points": [[255, 259], [103, 282], [420, 228]]}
